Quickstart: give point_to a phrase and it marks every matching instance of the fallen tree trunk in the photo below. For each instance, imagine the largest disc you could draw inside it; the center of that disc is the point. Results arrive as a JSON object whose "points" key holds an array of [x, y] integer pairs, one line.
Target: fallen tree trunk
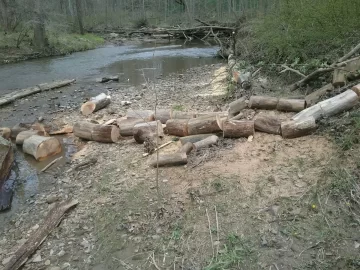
{"points": [[126, 126], [107, 79], [5, 133], [237, 128], [293, 129], [314, 97], [96, 132], [148, 131], [263, 102], [163, 115], [177, 127], [290, 105], [175, 159], [186, 148], [213, 139], [41, 147], [194, 138], [11, 97], [96, 103], [268, 124], [145, 115], [52, 220], [236, 106], [23, 135], [203, 125]]}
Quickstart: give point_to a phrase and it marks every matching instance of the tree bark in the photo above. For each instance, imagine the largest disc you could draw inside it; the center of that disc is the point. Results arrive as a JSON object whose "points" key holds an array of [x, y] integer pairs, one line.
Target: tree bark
{"points": [[194, 138], [236, 106], [175, 159], [268, 124], [6, 159], [145, 115], [148, 131], [94, 132], [182, 115], [126, 126], [293, 129], [186, 148], [96, 103], [40, 39], [203, 125], [41, 147], [238, 128], [314, 97], [356, 89], [79, 16], [163, 115], [213, 139], [291, 105], [23, 135], [263, 102], [177, 127]]}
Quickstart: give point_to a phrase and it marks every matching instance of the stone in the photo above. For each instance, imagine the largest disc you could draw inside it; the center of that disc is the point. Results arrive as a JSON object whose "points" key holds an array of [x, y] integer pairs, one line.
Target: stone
{"points": [[52, 198], [34, 228], [61, 253], [47, 262], [37, 259], [6, 260]]}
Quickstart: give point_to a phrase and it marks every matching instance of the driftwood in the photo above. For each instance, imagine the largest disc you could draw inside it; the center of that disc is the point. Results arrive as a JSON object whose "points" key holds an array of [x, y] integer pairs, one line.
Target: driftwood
{"points": [[145, 115], [95, 132], [107, 79], [177, 127], [175, 159], [290, 105], [203, 125], [52, 220], [163, 115], [5, 133], [11, 97], [314, 97], [237, 128], [194, 138], [148, 131], [263, 102], [96, 103], [236, 106], [213, 139], [329, 107], [126, 126], [268, 124], [186, 148], [20, 138], [41, 147], [294, 129]]}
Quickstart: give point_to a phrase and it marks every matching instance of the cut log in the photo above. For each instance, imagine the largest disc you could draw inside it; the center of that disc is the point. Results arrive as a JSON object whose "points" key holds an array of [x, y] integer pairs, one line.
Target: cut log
{"points": [[186, 148], [145, 115], [236, 106], [52, 220], [238, 128], [175, 159], [242, 77], [268, 124], [194, 138], [11, 97], [314, 97], [148, 131], [5, 133], [263, 102], [41, 147], [177, 127], [126, 126], [163, 115], [299, 128], [6, 159], [210, 114], [107, 79], [213, 139], [332, 106], [356, 89], [182, 115], [23, 135], [203, 125], [96, 103], [96, 132], [291, 105], [15, 130], [65, 130], [238, 117]]}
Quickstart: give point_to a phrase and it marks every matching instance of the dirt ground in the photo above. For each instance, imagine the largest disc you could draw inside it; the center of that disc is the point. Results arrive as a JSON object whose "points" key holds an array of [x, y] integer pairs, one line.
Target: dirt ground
{"points": [[265, 203]]}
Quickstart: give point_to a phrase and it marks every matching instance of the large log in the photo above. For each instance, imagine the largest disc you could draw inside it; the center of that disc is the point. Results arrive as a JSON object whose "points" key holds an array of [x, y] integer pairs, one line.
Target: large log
{"points": [[194, 138], [213, 139], [314, 97], [175, 159], [294, 129], [52, 220], [163, 115], [95, 132], [5, 132], [203, 125], [177, 127], [186, 148], [236, 106], [148, 131], [263, 102], [23, 135], [126, 126], [41, 147], [11, 97], [290, 105], [145, 115], [237, 128], [268, 124], [95, 103], [182, 115]]}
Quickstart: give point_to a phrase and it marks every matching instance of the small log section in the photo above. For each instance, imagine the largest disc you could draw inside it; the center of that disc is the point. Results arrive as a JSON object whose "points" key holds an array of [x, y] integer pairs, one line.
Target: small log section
{"points": [[41, 147], [52, 220], [213, 139], [314, 97], [263, 102], [145, 115], [293, 129], [175, 159], [194, 138], [11, 97], [268, 124], [15, 130], [177, 127], [96, 103], [238, 128], [163, 115], [291, 105], [186, 148], [126, 126], [5, 133], [96, 132], [148, 131], [203, 125], [236, 106], [23, 135]]}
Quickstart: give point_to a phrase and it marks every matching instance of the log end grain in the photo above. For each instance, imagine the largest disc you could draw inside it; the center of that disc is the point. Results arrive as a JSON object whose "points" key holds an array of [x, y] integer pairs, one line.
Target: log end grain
{"points": [[41, 147]]}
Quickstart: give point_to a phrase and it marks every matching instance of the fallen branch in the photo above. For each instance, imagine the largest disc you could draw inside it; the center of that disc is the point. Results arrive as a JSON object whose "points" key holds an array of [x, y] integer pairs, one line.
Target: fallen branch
{"points": [[286, 68], [51, 163]]}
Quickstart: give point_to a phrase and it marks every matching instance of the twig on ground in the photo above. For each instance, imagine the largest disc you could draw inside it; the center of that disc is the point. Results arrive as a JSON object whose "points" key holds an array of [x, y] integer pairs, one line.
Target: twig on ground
{"points": [[217, 231], [211, 238], [286, 68], [313, 246], [152, 256], [160, 147], [256, 72], [51, 163]]}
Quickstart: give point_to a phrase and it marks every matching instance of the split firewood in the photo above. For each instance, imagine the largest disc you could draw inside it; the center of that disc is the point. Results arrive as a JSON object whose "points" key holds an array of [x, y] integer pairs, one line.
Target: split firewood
{"points": [[20, 138], [203, 125], [263, 102], [5, 133], [145, 115], [41, 147], [96, 103], [213, 139], [314, 97], [298, 128], [290, 105], [65, 130], [329, 107], [186, 148], [177, 127], [182, 115], [107, 79], [52, 220], [268, 124], [356, 89], [126, 125], [237, 128], [175, 159], [194, 138], [236, 106], [148, 131], [96, 132], [163, 115]]}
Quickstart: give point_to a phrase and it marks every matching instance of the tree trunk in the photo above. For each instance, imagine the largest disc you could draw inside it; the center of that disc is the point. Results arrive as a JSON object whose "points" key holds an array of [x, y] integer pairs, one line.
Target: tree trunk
{"points": [[356, 89], [291, 105], [294, 129], [213, 139], [148, 131], [237, 128], [177, 127], [145, 115], [203, 125], [79, 16], [23, 135], [96, 103], [175, 159], [41, 147], [126, 126], [194, 138], [314, 97], [186, 148], [40, 39], [94, 132], [182, 115], [268, 124], [163, 115], [4, 7], [263, 102], [236, 106]]}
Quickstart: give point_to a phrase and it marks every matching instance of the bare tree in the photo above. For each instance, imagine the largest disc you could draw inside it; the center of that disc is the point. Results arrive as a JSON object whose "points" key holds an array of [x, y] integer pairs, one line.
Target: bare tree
{"points": [[79, 16], [40, 39]]}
